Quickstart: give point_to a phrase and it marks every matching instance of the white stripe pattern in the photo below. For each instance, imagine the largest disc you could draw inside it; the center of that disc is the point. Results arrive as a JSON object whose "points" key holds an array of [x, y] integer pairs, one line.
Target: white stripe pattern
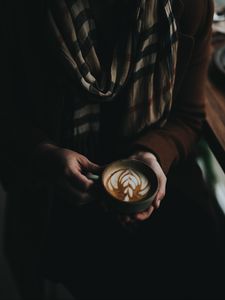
{"points": [[143, 109]]}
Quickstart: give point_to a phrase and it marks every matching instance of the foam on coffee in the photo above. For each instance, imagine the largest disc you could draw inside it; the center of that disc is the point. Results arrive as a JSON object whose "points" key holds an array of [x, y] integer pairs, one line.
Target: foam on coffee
{"points": [[127, 184]]}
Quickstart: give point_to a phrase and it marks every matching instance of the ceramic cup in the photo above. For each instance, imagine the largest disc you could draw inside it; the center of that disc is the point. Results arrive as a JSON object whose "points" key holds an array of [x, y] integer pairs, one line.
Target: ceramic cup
{"points": [[128, 185]]}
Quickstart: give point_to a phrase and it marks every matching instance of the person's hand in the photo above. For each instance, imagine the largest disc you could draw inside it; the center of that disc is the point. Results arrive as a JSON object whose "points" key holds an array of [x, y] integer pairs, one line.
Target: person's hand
{"points": [[66, 169], [150, 159]]}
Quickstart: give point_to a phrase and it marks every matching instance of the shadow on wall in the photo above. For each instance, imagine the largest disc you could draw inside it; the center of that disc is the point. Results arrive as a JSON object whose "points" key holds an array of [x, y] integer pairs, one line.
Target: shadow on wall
{"points": [[7, 287]]}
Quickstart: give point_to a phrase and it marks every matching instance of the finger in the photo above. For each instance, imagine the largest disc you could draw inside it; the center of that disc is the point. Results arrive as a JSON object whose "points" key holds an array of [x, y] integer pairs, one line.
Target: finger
{"points": [[156, 203], [151, 160], [161, 183], [92, 167], [134, 156], [142, 216], [73, 195], [161, 191], [147, 157], [80, 181]]}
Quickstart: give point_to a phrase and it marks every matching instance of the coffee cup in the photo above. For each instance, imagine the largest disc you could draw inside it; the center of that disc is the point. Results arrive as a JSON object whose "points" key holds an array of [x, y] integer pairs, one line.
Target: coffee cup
{"points": [[129, 186]]}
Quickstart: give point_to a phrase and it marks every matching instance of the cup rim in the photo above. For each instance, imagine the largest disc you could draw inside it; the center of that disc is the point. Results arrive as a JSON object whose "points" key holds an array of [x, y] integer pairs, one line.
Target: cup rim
{"points": [[144, 199]]}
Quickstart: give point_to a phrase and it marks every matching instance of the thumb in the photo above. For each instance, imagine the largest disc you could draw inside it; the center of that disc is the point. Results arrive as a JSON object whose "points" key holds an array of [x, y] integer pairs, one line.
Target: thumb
{"points": [[94, 168]]}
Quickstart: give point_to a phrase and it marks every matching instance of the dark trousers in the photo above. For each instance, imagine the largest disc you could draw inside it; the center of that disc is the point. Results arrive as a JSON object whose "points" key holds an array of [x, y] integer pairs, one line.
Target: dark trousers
{"points": [[177, 254]]}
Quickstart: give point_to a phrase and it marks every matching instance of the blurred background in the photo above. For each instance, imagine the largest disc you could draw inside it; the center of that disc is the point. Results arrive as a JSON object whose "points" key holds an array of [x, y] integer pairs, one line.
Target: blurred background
{"points": [[209, 163]]}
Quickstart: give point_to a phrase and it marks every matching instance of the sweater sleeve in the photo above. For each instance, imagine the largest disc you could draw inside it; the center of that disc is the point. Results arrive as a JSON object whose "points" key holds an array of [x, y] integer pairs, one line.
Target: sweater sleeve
{"points": [[175, 140]]}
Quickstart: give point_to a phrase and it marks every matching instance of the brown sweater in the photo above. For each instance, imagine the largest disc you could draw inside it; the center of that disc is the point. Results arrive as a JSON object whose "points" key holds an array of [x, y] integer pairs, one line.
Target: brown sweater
{"points": [[31, 109], [175, 140]]}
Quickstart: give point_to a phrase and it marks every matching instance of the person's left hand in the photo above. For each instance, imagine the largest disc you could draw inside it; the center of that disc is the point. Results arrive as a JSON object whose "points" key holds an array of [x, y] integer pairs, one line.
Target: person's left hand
{"points": [[150, 159]]}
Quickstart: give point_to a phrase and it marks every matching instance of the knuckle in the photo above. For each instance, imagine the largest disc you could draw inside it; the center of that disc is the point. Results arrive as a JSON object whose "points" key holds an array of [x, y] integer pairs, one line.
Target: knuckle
{"points": [[161, 195], [149, 157], [162, 191], [149, 210], [162, 179], [81, 159]]}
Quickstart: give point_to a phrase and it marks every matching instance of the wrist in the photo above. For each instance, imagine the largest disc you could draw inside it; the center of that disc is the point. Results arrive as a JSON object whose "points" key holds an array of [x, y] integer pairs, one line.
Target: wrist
{"points": [[44, 147], [42, 153]]}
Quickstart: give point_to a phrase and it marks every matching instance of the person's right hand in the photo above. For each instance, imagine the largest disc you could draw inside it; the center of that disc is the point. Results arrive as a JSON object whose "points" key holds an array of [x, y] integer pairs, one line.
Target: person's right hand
{"points": [[66, 169]]}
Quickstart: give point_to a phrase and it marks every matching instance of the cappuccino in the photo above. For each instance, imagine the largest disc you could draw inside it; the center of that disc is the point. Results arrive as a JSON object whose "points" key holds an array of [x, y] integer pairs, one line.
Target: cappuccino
{"points": [[127, 184]]}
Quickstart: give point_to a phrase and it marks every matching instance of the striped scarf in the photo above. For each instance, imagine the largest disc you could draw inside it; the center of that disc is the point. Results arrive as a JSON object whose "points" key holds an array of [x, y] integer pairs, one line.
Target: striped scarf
{"points": [[144, 61]]}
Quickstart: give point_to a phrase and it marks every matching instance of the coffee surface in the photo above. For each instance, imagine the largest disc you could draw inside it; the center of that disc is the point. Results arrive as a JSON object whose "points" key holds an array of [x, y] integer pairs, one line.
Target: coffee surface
{"points": [[127, 184]]}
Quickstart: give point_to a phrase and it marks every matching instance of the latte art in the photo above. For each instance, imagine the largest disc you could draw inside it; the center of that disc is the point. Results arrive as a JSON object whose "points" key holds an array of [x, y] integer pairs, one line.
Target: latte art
{"points": [[128, 185]]}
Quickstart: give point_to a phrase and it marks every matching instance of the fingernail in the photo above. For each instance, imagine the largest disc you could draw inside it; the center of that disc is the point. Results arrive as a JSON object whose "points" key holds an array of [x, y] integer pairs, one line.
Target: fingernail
{"points": [[92, 177], [158, 204]]}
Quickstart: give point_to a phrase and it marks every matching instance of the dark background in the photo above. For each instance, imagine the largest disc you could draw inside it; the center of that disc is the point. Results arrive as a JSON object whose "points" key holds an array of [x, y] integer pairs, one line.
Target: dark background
{"points": [[7, 287]]}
